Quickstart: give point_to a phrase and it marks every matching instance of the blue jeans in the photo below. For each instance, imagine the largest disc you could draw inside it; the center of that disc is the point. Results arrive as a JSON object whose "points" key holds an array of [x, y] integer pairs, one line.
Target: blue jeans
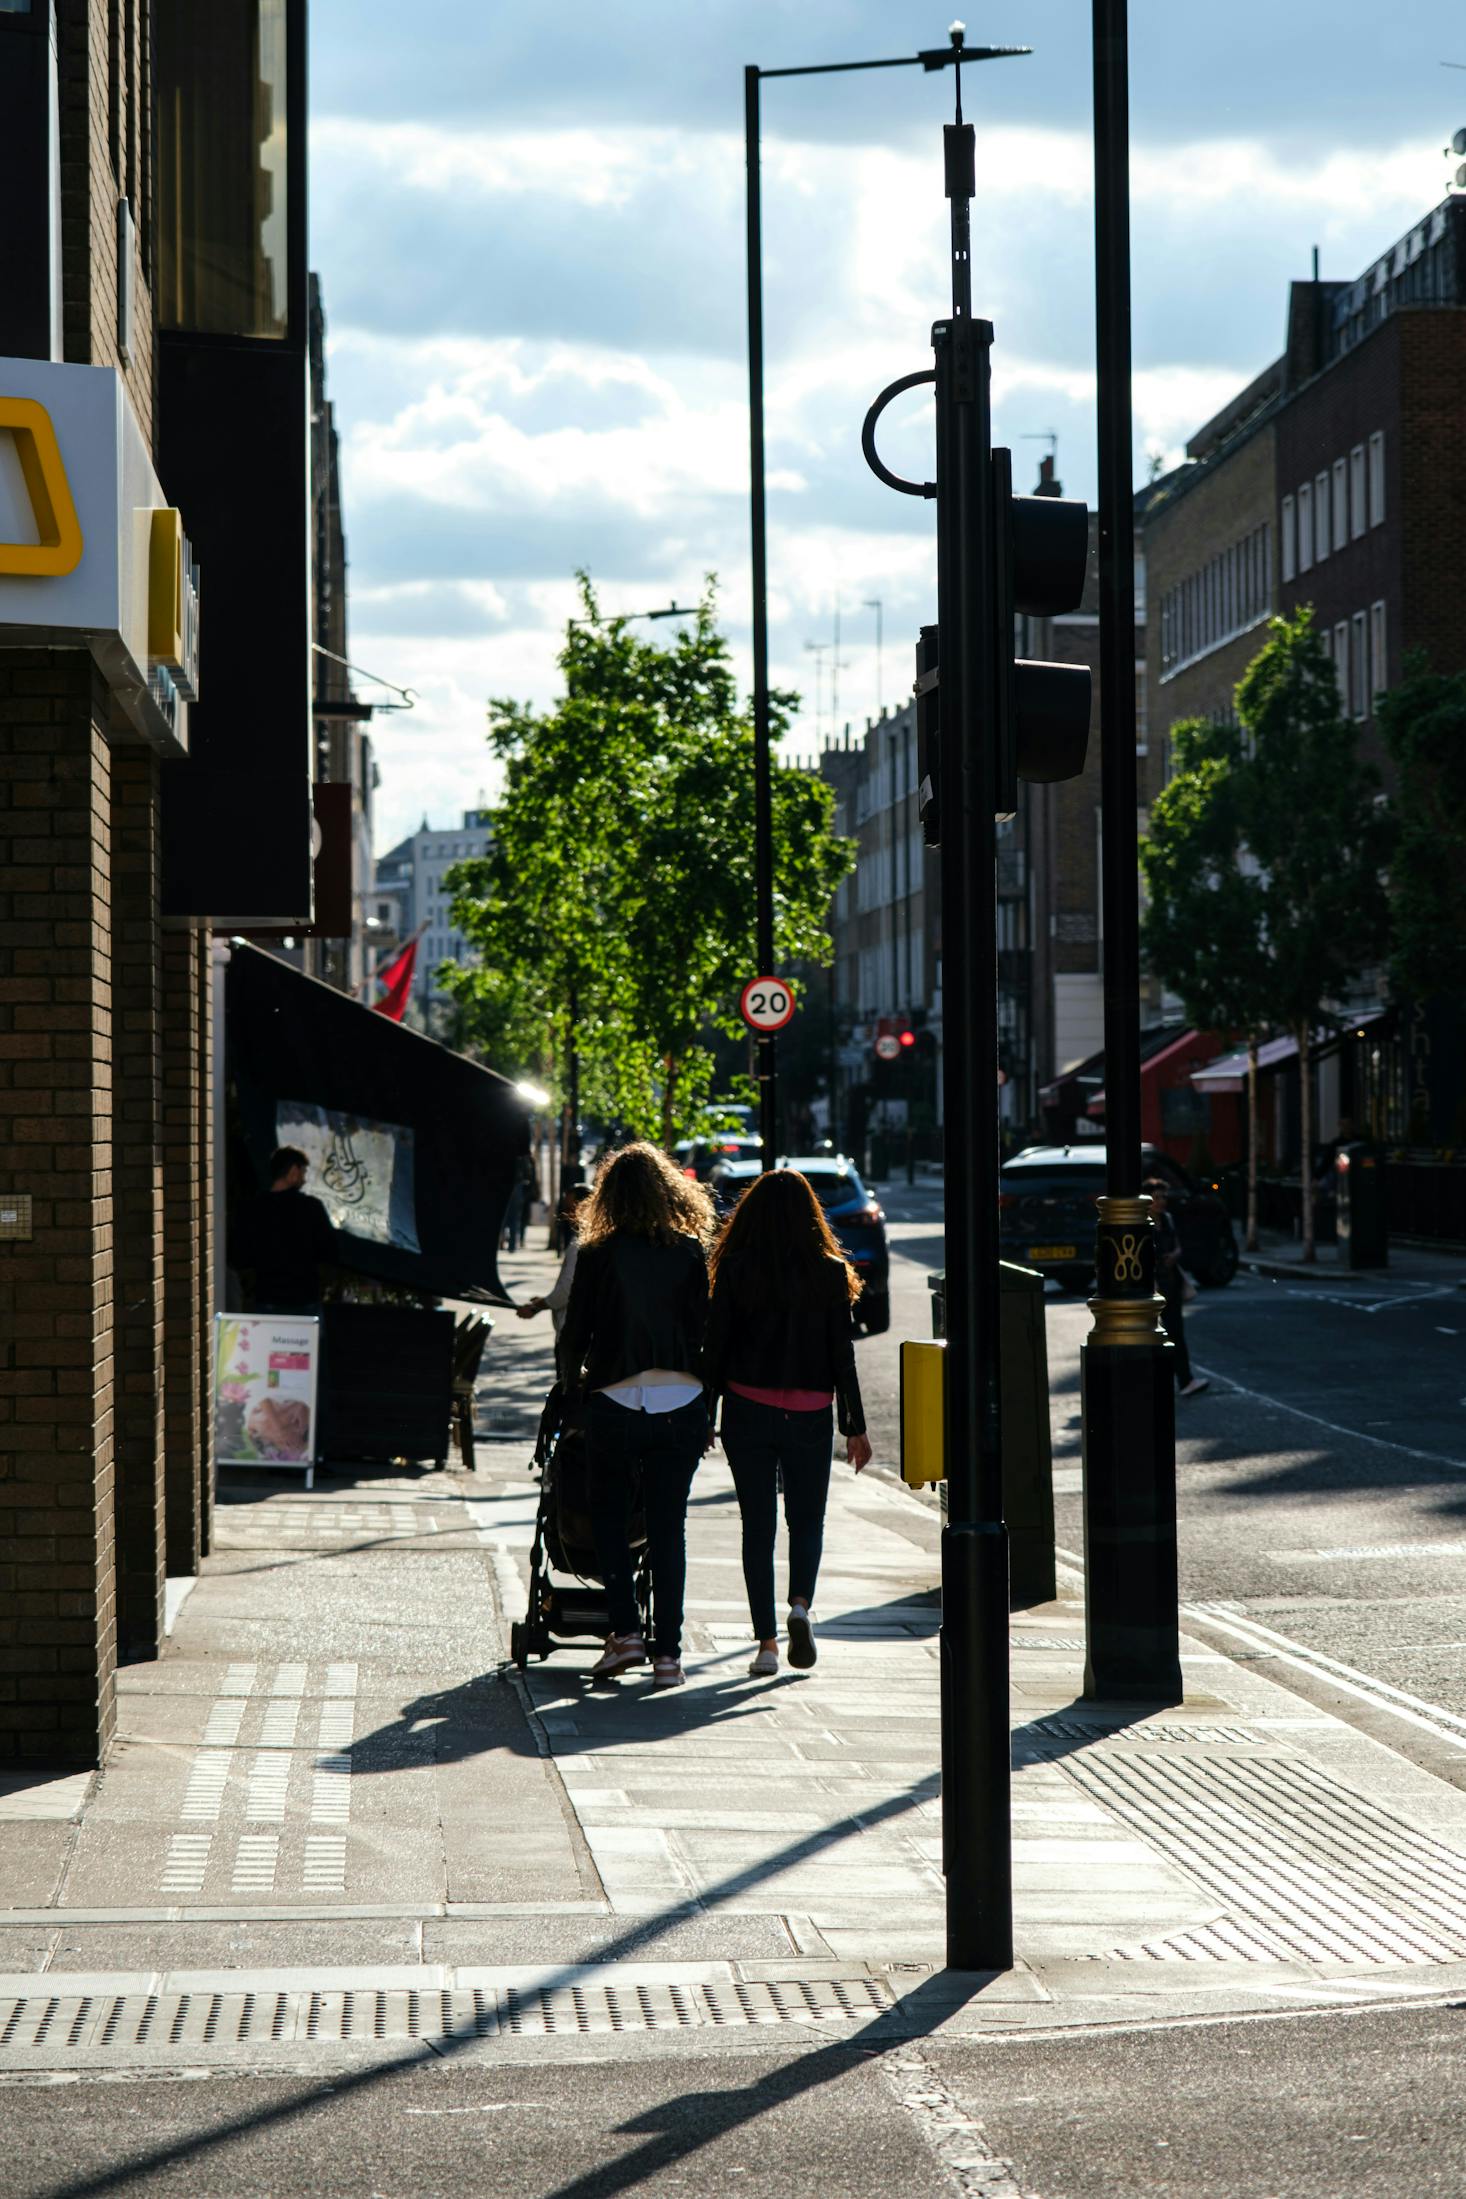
{"points": [[656, 1454], [762, 1442]]}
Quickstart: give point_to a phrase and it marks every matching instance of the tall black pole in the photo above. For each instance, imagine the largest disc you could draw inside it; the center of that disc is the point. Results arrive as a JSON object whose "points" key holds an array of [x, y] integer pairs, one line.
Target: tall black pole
{"points": [[976, 1833], [765, 1068], [1131, 1619]]}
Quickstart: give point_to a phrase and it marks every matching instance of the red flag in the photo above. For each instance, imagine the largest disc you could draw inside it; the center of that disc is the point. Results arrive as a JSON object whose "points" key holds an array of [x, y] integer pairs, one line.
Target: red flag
{"points": [[397, 978]]}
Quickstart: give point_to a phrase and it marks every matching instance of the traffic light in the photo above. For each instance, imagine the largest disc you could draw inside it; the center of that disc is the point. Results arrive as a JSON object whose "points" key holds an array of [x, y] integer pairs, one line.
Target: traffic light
{"points": [[1040, 553]]}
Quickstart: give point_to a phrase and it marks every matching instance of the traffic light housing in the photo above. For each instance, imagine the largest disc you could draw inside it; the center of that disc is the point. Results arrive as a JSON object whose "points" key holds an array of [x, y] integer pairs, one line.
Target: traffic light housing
{"points": [[1040, 554]]}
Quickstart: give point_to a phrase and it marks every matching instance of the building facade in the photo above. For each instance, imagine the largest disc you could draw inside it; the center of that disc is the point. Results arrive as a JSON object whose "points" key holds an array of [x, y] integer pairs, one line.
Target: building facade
{"points": [[155, 745], [410, 900]]}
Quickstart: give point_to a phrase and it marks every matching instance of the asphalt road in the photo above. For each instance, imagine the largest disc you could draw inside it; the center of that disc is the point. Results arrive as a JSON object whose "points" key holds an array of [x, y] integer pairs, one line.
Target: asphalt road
{"points": [[1350, 2102], [1321, 1479]]}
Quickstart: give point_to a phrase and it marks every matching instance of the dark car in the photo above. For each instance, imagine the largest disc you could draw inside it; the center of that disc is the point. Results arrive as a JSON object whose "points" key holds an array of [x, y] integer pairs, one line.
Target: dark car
{"points": [[850, 1210], [1047, 1213]]}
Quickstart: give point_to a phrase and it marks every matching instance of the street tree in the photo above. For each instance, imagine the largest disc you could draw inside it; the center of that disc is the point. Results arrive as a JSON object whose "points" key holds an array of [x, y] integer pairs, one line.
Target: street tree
{"points": [[1204, 926], [1423, 725], [616, 909], [1314, 823]]}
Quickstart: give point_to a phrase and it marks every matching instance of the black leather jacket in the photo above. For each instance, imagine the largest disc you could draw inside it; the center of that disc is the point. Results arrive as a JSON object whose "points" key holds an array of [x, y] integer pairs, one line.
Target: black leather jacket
{"points": [[633, 1304], [807, 1343]]}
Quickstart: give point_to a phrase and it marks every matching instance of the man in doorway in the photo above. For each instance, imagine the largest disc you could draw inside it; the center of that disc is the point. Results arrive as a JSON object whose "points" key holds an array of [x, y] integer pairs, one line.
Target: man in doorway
{"points": [[288, 1238]]}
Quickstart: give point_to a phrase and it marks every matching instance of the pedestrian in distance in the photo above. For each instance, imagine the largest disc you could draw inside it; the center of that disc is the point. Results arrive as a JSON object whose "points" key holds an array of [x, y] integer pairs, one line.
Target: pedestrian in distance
{"points": [[557, 1298], [780, 1354], [287, 1238], [632, 1343], [1171, 1283]]}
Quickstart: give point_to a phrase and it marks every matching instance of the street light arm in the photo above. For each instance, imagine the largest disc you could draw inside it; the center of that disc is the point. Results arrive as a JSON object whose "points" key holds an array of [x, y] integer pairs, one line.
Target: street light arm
{"points": [[933, 57]]}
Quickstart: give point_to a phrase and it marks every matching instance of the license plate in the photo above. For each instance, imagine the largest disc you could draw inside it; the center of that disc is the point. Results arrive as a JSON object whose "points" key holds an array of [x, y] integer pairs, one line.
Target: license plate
{"points": [[1051, 1252]]}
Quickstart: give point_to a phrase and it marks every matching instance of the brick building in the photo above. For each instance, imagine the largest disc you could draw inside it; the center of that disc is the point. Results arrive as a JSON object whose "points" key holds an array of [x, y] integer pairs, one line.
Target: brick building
{"points": [[156, 761]]}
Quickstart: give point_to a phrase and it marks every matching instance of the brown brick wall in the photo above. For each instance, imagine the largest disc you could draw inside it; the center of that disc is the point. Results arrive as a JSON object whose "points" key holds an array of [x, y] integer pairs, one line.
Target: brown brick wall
{"points": [[183, 1355], [105, 95], [58, 1614], [138, 1155], [1432, 487]]}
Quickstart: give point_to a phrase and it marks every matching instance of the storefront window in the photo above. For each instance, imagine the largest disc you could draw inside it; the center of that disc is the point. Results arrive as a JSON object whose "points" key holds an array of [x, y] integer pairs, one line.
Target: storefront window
{"points": [[223, 255]]}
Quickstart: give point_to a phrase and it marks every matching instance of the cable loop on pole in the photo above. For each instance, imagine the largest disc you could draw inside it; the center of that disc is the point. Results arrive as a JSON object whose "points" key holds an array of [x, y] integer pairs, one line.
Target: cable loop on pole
{"points": [[873, 458]]}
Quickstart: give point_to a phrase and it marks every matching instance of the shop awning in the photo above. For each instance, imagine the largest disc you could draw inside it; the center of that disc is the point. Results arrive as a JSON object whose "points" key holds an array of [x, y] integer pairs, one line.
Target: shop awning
{"points": [[413, 1147], [1228, 1073]]}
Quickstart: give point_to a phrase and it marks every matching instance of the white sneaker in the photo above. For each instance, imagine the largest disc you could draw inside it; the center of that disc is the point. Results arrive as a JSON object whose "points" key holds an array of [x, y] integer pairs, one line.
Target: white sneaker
{"points": [[621, 1652], [1195, 1386], [802, 1651], [765, 1665]]}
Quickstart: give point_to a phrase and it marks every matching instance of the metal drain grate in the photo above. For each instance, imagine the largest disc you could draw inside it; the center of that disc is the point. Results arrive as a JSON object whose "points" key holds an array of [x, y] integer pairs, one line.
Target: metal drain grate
{"points": [[1308, 1871], [66, 2028]]}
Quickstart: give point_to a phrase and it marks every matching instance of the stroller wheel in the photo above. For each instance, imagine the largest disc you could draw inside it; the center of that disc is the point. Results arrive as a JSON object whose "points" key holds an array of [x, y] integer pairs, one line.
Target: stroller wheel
{"points": [[519, 1643]]}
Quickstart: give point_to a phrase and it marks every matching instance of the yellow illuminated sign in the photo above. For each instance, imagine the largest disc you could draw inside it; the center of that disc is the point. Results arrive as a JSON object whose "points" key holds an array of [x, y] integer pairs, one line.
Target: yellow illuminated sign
{"points": [[59, 548], [165, 587]]}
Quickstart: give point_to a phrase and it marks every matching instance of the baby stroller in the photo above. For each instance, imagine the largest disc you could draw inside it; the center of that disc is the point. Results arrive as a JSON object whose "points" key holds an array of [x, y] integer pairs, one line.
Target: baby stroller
{"points": [[564, 1543]]}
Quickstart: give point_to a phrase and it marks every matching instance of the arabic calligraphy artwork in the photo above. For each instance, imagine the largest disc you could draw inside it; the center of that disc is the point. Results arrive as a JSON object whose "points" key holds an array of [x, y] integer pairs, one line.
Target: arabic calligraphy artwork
{"points": [[361, 1171]]}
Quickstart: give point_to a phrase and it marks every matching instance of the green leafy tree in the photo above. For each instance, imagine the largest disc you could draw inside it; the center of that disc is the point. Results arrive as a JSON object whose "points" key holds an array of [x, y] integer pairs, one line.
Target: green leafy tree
{"points": [[615, 915], [1423, 724], [1313, 822], [1204, 926]]}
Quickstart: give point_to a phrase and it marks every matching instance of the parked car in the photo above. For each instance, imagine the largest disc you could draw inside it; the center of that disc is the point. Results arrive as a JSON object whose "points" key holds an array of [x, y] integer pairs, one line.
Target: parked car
{"points": [[697, 1157], [1047, 1214], [850, 1210]]}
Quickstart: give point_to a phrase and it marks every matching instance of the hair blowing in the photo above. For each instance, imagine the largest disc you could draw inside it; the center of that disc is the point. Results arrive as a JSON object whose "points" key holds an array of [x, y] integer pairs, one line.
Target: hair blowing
{"points": [[775, 1239], [639, 1193]]}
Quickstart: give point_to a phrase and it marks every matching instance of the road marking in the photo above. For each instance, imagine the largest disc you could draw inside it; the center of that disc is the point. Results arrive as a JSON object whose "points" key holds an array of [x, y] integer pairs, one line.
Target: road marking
{"points": [[957, 2141], [1373, 1550], [1355, 1435], [187, 1860], [239, 1680], [269, 1781], [254, 1863], [325, 1863], [1429, 1717], [207, 1780]]}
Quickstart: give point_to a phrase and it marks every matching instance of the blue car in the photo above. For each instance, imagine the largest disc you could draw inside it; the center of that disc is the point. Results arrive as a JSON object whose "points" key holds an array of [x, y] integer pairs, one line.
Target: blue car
{"points": [[850, 1210]]}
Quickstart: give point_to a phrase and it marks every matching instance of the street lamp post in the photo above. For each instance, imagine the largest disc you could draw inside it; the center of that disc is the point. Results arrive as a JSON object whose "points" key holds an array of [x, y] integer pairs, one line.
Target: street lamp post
{"points": [[1128, 1403], [937, 57]]}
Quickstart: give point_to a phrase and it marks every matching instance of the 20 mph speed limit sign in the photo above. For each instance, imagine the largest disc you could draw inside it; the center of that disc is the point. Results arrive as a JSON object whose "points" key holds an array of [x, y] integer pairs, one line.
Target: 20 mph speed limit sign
{"points": [[767, 1004]]}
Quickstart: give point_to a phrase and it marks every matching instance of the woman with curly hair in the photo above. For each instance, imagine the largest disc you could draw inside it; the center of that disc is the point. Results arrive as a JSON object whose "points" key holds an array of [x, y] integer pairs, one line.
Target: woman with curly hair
{"points": [[781, 1353], [632, 1340]]}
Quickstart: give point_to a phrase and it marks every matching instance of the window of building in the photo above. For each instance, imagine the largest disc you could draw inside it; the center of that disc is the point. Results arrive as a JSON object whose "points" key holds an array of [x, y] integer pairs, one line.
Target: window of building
{"points": [[222, 203], [1320, 517], [1379, 670], [1290, 538], [1359, 665], [1377, 479], [1358, 515], [1142, 710], [1341, 662], [1305, 529], [1341, 503]]}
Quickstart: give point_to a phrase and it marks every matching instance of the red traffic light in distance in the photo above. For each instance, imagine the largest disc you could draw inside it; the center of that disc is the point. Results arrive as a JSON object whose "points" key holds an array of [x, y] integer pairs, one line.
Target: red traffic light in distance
{"points": [[906, 1038]]}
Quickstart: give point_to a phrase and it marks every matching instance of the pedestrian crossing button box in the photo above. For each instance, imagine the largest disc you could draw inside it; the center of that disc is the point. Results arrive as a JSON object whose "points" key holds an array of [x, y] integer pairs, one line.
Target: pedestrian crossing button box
{"points": [[923, 1412]]}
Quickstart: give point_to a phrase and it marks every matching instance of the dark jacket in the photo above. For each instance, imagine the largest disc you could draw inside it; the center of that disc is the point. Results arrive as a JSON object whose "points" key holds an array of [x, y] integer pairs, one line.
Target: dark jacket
{"points": [[806, 1342], [633, 1304], [286, 1236]]}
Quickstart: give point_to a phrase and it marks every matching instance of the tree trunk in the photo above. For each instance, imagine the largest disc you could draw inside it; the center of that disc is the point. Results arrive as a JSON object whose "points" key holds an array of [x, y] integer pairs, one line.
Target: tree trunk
{"points": [[1305, 1133], [1252, 1141], [669, 1087]]}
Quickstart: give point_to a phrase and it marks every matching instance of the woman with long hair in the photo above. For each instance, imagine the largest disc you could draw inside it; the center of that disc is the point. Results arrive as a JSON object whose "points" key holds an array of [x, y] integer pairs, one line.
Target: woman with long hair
{"points": [[781, 1354], [632, 1340]]}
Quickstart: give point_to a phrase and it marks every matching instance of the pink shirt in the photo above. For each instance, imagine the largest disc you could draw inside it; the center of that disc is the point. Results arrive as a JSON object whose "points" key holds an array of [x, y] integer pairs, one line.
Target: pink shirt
{"points": [[786, 1401]]}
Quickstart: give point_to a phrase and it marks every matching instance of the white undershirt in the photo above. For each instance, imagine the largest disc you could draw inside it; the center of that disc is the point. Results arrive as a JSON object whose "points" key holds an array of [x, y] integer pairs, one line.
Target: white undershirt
{"points": [[653, 1390]]}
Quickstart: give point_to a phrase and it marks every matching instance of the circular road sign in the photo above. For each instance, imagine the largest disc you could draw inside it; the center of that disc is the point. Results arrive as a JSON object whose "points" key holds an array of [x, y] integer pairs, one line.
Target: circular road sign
{"points": [[888, 1046], [766, 1004]]}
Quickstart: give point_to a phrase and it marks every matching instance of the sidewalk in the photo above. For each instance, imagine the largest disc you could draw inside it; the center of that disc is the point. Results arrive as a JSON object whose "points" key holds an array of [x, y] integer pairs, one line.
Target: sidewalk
{"points": [[1281, 1255], [336, 1830]]}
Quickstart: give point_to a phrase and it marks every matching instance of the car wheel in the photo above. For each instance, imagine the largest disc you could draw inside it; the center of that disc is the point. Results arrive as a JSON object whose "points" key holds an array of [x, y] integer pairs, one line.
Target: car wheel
{"points": [[1220, 1270], [874, 1312]]}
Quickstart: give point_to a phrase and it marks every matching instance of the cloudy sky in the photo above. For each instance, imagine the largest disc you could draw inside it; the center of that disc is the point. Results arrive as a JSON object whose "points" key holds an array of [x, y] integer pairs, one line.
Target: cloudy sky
{"points": [[529, 227]]}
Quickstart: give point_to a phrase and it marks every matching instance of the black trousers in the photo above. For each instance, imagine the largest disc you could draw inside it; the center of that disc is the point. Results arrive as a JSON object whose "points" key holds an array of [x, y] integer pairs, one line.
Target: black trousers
{"points": [[657, 1454], [1173, 1322], [764, 1444]]}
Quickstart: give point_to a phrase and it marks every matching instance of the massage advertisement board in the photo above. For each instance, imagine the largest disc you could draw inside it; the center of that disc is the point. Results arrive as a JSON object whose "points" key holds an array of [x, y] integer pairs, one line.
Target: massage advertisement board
{"points": [[266, 1367]]}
